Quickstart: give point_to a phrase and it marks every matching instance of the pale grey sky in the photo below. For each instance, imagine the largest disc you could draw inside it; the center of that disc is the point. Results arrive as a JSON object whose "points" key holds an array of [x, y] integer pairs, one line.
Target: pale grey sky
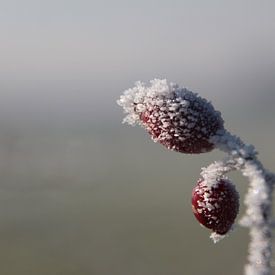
{"points": [[76, 56]]}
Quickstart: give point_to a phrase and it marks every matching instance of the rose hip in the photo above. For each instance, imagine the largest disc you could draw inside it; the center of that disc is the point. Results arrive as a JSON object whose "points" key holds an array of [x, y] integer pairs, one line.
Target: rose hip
{"points": [[216, 207]]}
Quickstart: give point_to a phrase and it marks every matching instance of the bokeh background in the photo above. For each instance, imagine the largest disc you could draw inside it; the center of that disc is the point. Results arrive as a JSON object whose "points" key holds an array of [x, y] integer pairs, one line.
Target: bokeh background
{"points": [[80, 193]]}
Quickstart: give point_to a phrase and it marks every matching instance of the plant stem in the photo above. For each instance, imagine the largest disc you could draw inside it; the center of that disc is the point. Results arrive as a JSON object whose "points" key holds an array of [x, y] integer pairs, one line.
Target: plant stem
{"points": [[258, 199]]}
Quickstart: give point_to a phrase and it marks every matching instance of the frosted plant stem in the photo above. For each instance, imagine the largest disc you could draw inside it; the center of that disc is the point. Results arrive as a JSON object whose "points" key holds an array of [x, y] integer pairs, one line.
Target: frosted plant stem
{"points": [[258, 199]]}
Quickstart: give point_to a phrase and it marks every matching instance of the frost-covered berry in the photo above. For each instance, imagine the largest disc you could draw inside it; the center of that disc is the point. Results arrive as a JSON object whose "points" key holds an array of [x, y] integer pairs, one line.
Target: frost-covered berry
{"points": [[216, 207], [175, 117]]}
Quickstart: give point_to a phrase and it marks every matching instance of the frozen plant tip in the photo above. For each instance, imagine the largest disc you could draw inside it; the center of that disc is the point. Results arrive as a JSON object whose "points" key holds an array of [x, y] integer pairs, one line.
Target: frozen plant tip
{"points": [[216, 206], [184, 122], [175, 117]]}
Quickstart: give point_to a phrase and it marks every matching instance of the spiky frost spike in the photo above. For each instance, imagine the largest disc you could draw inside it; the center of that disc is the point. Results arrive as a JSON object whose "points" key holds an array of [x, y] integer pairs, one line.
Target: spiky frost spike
{"points": [[175, 117]]}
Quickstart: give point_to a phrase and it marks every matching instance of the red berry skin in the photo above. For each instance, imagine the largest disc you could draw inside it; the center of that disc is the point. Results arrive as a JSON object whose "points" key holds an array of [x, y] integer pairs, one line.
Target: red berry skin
{"points": [[216, 207], [182, 132]]}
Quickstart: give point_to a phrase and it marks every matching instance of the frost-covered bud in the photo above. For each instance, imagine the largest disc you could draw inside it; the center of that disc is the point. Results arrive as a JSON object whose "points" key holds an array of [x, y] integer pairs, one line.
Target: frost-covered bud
{"points": [[216, 207], [175, 117]]}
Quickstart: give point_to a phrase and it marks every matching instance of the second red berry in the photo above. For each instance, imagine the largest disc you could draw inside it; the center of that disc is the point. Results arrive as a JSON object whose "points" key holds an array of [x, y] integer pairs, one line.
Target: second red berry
{"points": [[216, 207]]}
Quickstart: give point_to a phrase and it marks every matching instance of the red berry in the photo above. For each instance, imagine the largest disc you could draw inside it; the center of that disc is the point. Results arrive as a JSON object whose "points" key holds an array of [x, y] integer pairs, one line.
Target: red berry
{"points": [[216, 207], [175, 117]]}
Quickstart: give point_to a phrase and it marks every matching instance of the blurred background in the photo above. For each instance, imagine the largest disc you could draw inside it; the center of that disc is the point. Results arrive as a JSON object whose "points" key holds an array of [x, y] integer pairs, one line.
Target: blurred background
{"points": [[80, 193]]}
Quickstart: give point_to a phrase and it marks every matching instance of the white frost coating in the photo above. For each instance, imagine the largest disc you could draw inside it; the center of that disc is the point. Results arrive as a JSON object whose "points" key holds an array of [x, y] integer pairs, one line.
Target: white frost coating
{"points": [[141, 95], [214, 173], [217, 237], [258, 199], [135, 100]]}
